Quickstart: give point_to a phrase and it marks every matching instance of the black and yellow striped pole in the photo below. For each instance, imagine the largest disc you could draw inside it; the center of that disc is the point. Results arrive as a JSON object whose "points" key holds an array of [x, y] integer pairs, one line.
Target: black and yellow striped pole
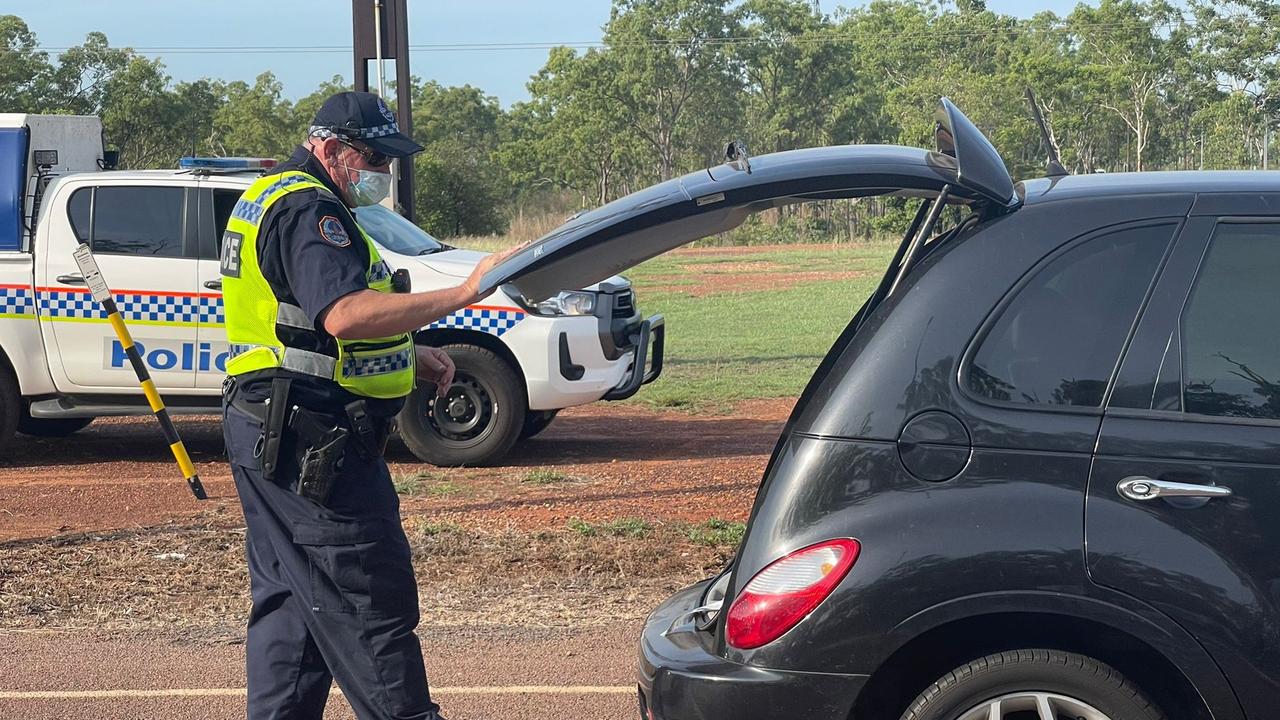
{"points": [[98, 287]]}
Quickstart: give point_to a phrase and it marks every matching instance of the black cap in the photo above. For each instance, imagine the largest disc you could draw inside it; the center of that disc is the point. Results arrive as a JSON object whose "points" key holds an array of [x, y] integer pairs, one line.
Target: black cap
{"points": [[365, 117]]}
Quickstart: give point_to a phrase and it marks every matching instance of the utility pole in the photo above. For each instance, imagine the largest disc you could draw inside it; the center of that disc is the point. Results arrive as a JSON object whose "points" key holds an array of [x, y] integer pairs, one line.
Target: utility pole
{"points": [[380, 31]]}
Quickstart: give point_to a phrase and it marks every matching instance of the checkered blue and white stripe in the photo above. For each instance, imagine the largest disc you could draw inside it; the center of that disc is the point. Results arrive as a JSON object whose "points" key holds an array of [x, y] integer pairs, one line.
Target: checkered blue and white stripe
{"points": [[134, 307], [490, 320], [378, 131], [247, 211], [211, 312], [16, 301], [377, 365], [62, 304], [251, 210], [158, 308]]}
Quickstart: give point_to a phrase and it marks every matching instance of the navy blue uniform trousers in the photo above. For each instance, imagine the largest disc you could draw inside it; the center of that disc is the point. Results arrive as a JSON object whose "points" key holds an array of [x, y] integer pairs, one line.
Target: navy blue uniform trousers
{"points": [[334, 596]]}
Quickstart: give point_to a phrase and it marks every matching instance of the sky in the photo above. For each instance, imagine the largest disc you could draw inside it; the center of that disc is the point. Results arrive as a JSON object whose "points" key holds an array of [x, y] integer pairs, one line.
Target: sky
{"points": [[159, 27]]}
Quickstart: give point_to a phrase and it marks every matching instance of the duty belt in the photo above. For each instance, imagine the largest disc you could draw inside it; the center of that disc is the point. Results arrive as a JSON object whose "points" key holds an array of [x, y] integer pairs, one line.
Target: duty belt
{"points": [[276, 414]]}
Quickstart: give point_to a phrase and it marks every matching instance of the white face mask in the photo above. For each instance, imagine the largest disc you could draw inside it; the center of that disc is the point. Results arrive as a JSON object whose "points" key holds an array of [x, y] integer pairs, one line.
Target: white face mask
{"points": [[370, 188]]}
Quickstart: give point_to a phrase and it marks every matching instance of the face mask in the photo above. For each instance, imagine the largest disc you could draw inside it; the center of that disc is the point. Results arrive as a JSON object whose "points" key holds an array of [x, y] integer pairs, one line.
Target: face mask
{"points": [[370, 188]]}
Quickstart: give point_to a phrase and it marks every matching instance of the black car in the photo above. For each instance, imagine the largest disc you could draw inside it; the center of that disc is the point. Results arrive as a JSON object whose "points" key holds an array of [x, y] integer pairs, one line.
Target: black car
{"points": [[1037, 476]]}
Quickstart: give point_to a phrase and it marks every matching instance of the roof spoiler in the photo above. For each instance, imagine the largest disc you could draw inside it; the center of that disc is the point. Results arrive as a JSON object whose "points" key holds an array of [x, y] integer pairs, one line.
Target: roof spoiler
{"points": [[979, 167]]}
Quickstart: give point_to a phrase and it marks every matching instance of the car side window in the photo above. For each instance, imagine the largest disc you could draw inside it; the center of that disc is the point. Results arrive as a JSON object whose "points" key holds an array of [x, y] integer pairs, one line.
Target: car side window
{"points": [[78, 212], [129, 220], [1231, 352], [224, 201], [1057, 342]]}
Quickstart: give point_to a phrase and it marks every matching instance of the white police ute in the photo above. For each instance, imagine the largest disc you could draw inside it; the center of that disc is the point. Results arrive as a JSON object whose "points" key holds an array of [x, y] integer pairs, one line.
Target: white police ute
{"points": [[155, 235]]}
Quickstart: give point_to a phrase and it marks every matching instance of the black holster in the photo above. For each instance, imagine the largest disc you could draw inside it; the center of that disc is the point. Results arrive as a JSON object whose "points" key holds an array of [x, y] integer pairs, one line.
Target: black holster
{"points": [[316, 441], [320, 446]]}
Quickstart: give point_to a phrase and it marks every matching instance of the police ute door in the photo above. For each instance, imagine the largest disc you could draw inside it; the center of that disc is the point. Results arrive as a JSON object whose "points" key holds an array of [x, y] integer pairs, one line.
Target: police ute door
{"points": [[218, 198], [143, 235]]}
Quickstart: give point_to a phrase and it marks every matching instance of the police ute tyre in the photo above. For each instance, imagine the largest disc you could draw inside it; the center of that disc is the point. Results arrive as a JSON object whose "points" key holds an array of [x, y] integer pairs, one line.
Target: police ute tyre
{"points": [[10, 407], [535, 421], [1037, 683], [479, 419]]}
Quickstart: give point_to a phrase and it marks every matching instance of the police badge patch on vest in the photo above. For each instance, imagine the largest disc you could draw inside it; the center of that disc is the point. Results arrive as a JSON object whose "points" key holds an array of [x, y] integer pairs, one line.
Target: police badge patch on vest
{"points": [[332, 231]]}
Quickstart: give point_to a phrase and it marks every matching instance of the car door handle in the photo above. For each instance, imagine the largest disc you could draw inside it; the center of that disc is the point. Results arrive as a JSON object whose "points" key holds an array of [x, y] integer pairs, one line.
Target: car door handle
{"points": [[1141, 487], [213, 284], [73, 279]]}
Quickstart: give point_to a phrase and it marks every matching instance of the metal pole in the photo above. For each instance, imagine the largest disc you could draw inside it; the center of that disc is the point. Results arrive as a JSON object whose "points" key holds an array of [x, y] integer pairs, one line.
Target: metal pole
{"points": [[378, 15]]}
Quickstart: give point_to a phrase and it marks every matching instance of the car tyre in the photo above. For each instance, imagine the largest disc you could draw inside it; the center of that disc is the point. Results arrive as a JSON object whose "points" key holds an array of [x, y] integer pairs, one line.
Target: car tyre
{"points": [[477, 422], [1075, 685], [535, 421], [10, 407], [50, 427]]}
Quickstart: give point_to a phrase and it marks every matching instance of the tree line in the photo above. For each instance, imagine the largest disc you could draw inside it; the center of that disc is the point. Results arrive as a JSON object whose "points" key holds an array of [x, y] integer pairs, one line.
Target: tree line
{"points": [[1122, 85]]}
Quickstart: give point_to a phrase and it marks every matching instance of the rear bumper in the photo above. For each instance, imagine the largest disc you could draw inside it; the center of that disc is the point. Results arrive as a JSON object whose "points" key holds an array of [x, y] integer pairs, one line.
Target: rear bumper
{"points": [[681, 678]]}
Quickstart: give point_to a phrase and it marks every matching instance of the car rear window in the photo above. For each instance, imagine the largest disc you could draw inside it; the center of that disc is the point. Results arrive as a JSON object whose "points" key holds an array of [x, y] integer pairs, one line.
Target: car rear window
{"points": [[125, 220], [1231, 351], [1058, 340]]}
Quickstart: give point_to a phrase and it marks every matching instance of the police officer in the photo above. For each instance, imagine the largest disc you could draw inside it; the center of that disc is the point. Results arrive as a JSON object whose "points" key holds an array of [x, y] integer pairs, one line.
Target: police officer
{"points": [[321, 359]]}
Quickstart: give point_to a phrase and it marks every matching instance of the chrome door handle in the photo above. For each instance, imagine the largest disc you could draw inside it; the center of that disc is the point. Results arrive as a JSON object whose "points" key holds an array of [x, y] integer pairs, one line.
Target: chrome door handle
{"points": [[213, 284], [73, 279], [1141, 487]]}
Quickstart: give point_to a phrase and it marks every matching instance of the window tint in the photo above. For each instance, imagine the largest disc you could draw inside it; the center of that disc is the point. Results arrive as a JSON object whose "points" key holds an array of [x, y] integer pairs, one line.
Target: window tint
{"points": [[224, 201], [1058, 341], [1231, 363], [78, 212], [138, 220]]}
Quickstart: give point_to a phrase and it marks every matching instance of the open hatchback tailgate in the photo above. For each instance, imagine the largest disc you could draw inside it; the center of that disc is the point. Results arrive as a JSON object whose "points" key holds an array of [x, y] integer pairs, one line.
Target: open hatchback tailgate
{"points": [[608, 240]]}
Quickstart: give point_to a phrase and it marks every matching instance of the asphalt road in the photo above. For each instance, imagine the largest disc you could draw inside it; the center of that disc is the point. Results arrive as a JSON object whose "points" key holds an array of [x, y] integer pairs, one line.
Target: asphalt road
{"points": [[512, 674]]}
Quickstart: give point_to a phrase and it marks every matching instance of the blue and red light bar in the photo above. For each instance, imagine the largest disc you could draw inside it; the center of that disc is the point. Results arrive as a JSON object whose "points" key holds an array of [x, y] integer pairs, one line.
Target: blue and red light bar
{"points": [[226, 163]]}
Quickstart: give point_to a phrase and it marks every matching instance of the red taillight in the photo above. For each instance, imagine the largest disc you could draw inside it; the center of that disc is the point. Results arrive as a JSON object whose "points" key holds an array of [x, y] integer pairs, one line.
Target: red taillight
{"points": [[787, 590]]}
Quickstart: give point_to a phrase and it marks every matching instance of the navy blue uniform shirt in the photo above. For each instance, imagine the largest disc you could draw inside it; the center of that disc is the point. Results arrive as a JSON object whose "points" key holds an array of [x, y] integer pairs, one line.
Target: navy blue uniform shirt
{"points": [[312, 253]]}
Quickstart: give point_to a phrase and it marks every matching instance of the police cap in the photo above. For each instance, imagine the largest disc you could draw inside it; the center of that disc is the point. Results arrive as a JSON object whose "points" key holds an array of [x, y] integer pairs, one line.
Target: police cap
{"points": [[365, 117]]}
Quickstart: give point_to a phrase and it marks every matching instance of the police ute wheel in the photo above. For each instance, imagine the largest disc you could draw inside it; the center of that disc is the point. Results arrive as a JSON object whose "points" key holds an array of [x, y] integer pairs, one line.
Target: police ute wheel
{"points": [[10, 407], [1036, 683], [479, 419], [535, 421], [50, 427]]}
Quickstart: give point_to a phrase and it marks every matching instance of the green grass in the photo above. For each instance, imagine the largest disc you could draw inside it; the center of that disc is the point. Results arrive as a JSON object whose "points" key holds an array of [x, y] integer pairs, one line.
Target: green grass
{"points": [[717, 532], [432, 529], [737, 345], [756, 341], [624, 527], [424, 482], [547, 476]]}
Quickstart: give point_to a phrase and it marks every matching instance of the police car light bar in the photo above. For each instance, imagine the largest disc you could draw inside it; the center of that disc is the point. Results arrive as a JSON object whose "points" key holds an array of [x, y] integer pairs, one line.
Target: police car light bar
{"points": [[226, 163]]}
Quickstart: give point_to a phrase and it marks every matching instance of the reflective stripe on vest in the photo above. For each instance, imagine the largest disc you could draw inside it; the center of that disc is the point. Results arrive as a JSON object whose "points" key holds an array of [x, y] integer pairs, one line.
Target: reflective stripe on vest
{"points": [[377, 367]]}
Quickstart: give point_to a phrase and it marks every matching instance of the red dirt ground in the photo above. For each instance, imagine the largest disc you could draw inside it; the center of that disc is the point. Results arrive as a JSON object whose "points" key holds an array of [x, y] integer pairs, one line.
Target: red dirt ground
{"points": [[615, 461]]}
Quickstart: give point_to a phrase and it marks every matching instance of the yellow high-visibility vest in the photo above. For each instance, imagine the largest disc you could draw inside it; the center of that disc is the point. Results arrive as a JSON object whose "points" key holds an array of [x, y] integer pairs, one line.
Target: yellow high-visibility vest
{"points": [[259, 323]]}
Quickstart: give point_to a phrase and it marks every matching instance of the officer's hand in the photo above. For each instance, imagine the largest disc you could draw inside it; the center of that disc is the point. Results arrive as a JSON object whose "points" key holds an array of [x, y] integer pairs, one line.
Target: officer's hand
{"points": [[435, 366], [488, 263]]}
